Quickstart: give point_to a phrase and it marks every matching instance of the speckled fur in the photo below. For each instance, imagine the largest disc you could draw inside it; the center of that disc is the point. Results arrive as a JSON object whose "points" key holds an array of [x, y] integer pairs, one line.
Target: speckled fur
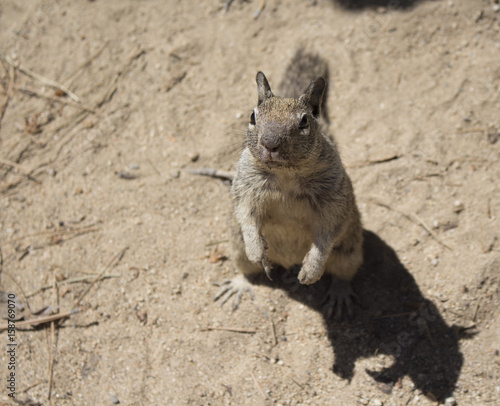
{"points": [[294, 202]]}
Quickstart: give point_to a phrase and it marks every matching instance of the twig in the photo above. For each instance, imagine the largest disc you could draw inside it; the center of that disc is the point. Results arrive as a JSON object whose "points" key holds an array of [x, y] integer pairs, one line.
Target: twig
{"points": [[296, 382], [15, 165], [211, 244], [114, 85], [70, 281], [415, 218], [38, 77], [213, 173], [471, 130], [5, 103], [31, 92], [87, 62], [65, 231], [257, 13], [51, 359], [40, 320], [33, 385], [227, 5], [152, 166], [53, 344], [257, 385], [232, 329], [432, 233], [376, 161], [476, 309], [116, 258], [273, 331], [272, 359]]}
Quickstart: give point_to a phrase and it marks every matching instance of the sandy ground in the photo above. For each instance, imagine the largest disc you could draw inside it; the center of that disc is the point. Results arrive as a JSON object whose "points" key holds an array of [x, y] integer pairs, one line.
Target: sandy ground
{"points": [[97, 185]]}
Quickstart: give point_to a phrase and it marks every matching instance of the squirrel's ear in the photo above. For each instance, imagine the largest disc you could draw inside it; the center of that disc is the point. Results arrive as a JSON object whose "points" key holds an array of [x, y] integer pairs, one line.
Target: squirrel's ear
{"points": [[313, 96], [263, 87]]}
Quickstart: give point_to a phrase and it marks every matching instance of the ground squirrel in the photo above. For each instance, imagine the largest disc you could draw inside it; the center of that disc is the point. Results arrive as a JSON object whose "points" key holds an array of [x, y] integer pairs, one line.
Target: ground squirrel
{"points": [[294, 203]]}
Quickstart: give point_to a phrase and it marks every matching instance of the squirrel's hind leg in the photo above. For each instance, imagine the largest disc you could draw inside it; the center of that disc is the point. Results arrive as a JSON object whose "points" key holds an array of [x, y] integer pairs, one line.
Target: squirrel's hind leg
{"points": [[342, 265], [240, 284], [237, 286], [340, 297]]}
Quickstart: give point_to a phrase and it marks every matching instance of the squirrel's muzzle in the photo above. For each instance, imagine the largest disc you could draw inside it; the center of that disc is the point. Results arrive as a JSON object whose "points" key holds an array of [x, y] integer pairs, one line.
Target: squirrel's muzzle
{"points": [[270, 149]]}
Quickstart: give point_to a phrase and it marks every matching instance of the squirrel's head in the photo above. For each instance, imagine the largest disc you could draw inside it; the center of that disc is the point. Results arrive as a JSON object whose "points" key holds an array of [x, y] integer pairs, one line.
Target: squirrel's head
{"points": [[283, 132]]}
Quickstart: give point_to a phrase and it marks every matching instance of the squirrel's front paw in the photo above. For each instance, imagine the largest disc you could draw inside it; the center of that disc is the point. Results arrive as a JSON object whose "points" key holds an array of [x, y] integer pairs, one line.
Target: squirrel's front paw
{"points": [[255, 248], [255, 255], [310, 273]]}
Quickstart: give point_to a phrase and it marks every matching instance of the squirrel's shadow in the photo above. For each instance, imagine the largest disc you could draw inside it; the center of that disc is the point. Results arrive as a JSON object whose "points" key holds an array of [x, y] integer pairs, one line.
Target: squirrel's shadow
{"points": [[360, 4], [397, 320]]}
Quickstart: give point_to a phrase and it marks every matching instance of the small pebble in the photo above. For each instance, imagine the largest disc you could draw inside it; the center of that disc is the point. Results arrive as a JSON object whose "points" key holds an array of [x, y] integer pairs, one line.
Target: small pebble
{"points": [[451, 401], [194, 157], [377, 402], [126, 175], [493, 137], [458, 206], [114, 399]]}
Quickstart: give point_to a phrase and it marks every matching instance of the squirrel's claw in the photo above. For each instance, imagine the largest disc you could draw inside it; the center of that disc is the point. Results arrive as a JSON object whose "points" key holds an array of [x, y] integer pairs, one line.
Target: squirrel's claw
{"points": [[267, 268]]}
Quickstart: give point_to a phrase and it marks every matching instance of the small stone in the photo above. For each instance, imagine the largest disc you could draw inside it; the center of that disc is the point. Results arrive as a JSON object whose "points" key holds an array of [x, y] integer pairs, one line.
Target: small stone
{"points": [[194, 157], [458, 206], [493, 137], [377, 402], [175, 174], [114, 399], [451, 401], [125, 175], [134, 167]]}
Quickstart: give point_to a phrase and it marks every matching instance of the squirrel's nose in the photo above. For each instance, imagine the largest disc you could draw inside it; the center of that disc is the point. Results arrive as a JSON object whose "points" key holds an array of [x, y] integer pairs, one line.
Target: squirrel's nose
{"points": [[271, 143]]}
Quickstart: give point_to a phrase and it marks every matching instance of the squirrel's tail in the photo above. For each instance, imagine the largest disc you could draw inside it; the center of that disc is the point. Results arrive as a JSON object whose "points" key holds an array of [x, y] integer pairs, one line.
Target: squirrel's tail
{"points": [[303, 68]]}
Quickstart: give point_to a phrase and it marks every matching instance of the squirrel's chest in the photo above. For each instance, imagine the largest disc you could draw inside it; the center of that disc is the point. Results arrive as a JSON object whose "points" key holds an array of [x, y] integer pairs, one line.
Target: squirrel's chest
{"points": [[288, 204], [287, 230], [288, 212]]}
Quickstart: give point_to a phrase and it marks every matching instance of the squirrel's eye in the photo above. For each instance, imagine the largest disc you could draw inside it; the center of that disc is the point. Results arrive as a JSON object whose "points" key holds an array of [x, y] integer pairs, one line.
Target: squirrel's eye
{"points": [[252, 118], [304, 123]]}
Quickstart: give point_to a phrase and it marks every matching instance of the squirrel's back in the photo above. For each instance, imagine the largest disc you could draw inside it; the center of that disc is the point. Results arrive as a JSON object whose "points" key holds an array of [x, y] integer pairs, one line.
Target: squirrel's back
{"points": [[302, 69]]}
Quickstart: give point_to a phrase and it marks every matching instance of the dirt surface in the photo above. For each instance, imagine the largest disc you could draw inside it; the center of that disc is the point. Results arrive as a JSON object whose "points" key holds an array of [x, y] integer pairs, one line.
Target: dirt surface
{"points": [[97, 185]]}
